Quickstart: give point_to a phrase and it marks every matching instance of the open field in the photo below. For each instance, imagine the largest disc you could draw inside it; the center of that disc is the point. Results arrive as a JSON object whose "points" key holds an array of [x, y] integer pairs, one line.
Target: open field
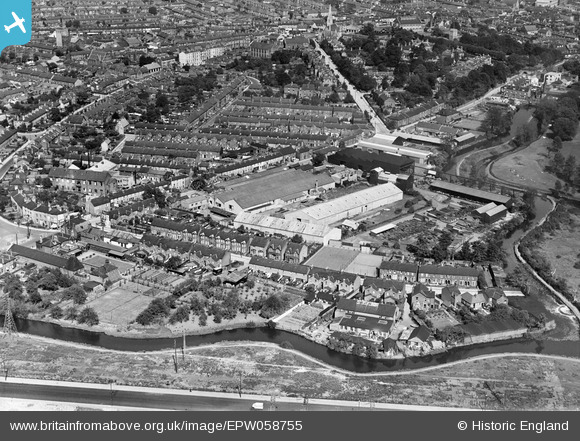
{"points": [[527, 382], [526, 167], [121, 305], [562, 249]]}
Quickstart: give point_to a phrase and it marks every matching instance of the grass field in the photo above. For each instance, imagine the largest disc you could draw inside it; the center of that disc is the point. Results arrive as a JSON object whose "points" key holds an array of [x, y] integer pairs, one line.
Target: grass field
{"points": [[121, 305], [527, 166], [562, 249]]}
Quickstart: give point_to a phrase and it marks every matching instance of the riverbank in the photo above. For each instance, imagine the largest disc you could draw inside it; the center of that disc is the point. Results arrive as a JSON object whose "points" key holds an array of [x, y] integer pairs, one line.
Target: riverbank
{"points": [[533, 382]]}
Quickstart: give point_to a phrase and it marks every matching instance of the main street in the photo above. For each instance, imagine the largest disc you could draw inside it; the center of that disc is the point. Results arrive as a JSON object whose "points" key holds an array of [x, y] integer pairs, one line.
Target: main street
{"points": [[357, 95], [114, 396]]}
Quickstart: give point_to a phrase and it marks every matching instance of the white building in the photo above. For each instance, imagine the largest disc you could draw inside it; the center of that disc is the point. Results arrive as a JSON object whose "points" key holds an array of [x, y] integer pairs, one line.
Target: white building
{"points": [[310, 232], [547, 3], [349, 206]]}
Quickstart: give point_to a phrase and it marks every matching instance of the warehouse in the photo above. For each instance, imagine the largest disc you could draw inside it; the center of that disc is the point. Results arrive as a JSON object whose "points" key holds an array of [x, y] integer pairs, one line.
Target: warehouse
{"points": [[270, 190], [495, 214], [471, 193], [310, 232], [349, 206]]}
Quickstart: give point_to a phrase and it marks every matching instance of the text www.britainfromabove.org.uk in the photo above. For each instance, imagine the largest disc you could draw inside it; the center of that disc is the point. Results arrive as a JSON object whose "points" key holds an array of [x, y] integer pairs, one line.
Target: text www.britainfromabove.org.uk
{"points": [[160, 427]]}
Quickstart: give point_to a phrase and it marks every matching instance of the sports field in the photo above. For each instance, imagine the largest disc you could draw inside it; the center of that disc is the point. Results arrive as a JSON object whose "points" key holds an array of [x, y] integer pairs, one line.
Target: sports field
{"points": [[120, 305], [526, 167]]}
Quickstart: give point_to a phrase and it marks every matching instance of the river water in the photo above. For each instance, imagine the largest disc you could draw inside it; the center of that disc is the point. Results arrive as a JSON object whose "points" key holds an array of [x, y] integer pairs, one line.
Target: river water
{"points": [[339, 360]]}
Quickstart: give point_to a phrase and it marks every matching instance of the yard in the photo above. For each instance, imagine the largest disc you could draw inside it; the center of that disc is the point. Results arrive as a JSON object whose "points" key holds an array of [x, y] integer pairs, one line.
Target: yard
{"points": [[301, 316], [441, 319]]}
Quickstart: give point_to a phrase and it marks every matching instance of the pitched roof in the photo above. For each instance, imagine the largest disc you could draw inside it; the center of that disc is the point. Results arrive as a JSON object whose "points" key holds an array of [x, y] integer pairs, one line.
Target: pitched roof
{"points": [[70, 263], [278, 265], [449, 270], [384, 284], [421, 333], [394, 265], [81, 175]]}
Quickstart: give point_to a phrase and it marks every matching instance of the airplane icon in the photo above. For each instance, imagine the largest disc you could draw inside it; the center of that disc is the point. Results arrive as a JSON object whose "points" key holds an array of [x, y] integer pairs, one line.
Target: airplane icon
{"points": [[17, 22]]}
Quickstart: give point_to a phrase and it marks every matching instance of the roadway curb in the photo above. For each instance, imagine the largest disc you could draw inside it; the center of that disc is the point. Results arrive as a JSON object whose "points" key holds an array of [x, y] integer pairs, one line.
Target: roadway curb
{"points": [[226, 395]]}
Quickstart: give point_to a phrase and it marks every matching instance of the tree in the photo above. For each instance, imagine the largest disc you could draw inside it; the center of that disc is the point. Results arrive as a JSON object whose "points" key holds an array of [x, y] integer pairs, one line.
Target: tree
{"points": [[497, 122], [569, 169], [203, 319], [318, 159], [70, 313], [348, 99], [173, 263], [358, 349], [33, 294], [565, 128], [153, 10], [56, 312], [46, 182], [88, 316], [156, 311], [372, 351], [557, 163], [297, 238], [275, 305], [75, 293], [556, 144], [180, 315]]}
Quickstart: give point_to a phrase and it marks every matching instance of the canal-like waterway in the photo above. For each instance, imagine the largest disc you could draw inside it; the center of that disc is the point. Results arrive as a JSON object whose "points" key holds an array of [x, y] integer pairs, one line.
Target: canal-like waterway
{"points": [[343, 361]]}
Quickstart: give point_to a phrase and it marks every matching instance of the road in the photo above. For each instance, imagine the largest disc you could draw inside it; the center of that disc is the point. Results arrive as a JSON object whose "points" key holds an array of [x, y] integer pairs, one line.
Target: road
{"points": [[359, 98], [117, 396]]}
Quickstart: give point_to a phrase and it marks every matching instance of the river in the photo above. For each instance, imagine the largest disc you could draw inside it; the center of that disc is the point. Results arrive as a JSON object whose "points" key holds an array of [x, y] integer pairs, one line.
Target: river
{"points": [[343, 361], [542, 208]]}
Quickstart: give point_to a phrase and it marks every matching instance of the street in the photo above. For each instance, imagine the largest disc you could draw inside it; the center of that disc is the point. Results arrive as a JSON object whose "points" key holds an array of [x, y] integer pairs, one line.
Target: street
{"points": [[358, 97]]}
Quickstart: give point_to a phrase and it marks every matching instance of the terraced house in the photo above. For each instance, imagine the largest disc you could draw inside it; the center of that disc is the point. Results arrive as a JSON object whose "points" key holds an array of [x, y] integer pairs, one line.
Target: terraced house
{"points": [[87, 182], [448, 275]]}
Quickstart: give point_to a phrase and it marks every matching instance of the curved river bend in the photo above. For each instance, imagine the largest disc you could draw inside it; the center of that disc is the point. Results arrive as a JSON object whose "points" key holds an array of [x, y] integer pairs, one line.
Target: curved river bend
{"points": [[343, 361]]}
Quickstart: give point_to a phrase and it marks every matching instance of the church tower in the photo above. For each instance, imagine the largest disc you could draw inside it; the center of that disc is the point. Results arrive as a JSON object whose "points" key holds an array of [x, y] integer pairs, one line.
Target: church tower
{"points": [[329, 18]]}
